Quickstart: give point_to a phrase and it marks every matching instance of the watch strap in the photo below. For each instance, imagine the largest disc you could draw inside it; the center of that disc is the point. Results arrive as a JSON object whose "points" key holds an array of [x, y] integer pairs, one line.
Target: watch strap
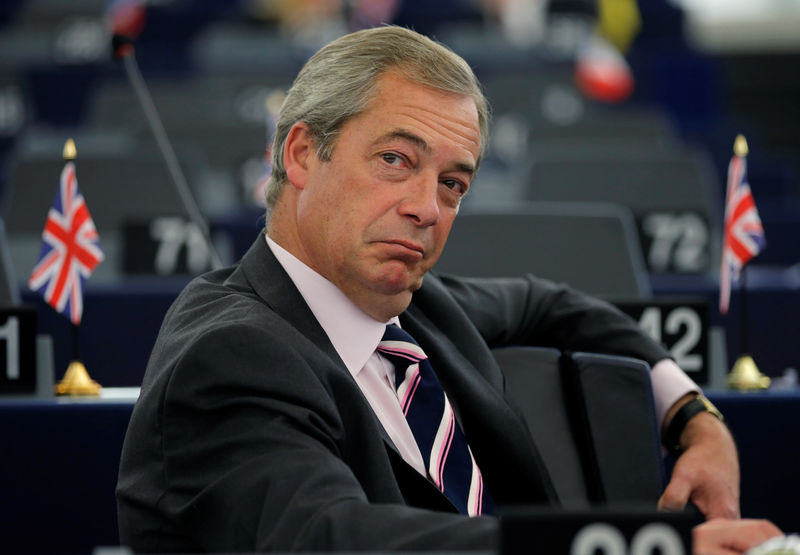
{"points": [[690, 409]]}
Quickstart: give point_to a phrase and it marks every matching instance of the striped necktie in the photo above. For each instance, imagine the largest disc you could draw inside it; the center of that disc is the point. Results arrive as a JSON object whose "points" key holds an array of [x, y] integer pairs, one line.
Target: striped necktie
{"points": [[451, 466]]}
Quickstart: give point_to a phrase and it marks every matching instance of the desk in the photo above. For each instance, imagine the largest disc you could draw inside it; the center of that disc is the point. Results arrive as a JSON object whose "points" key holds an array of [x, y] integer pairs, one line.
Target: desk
{"points": [[59, 465], [58, 471], [766, 427]]}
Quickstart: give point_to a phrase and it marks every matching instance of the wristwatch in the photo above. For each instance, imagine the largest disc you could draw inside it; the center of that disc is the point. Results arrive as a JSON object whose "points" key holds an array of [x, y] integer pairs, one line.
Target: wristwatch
{"points": [[672, 437]]}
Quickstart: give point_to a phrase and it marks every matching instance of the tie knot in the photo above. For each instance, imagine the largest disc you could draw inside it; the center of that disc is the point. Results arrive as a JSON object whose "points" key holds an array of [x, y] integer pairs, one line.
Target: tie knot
{"points": [[398, 343]]}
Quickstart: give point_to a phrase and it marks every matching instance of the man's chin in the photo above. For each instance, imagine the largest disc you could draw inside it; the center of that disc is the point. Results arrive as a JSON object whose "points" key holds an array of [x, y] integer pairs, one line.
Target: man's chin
{"points": [[399, 284], [395, 278]]}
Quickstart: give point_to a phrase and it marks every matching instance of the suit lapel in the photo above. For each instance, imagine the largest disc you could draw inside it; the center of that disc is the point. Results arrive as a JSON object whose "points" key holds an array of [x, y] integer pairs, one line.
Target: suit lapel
{"points": [[271, 282]]}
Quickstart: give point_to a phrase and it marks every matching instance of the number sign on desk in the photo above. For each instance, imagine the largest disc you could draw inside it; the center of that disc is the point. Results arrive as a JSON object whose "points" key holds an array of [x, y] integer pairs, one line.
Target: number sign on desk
{"points": [[18, 350], [166, 245], [676, 242], [681, 324], [637, 531]]}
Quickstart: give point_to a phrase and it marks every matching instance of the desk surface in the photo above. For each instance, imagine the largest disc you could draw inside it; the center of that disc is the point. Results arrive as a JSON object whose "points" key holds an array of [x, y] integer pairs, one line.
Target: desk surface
{"points": [[108, 395]]}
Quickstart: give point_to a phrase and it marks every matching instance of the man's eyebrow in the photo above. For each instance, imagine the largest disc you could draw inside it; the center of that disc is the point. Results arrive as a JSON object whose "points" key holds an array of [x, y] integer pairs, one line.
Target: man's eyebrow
{"points": [[421, 143], [403, 134], [466, 168]]}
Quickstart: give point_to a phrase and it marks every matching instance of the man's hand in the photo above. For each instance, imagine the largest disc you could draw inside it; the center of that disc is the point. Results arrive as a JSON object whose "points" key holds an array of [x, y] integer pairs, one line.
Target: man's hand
{"points": [[727, 537], [707, 472]]}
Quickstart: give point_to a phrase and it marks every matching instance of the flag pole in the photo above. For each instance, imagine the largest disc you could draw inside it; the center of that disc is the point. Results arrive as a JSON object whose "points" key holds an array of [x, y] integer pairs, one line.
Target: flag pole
{"points": [[741, 150], [745, 375], [744, 339], [76, 342], [76, 380]]}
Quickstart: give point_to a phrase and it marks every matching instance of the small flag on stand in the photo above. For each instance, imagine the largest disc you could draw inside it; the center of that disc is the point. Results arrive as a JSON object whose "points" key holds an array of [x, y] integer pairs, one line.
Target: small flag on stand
{"points": [[743, 235], [70, 247], [742, 239], [70, 253]]}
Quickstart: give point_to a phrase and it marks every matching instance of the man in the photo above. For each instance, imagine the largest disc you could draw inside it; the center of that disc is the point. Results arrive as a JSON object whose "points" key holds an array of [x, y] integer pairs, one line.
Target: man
{"points": [[268, 419]]}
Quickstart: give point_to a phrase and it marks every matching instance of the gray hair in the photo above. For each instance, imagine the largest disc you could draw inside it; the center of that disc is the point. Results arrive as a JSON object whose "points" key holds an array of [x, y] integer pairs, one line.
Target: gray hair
{"points": [[337, 83]]}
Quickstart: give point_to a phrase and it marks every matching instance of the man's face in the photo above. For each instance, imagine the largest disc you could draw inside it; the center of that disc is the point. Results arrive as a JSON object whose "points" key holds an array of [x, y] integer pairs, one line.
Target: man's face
{"points": [[376, 216]]}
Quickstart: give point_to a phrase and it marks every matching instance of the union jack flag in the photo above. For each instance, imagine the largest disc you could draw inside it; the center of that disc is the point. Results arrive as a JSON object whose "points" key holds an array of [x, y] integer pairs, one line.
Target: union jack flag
{"points": [[70, 250], [743, 236]]}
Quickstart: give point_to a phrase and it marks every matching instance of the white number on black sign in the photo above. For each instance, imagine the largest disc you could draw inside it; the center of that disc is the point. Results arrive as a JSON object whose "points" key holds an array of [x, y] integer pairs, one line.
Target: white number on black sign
{"points": [[650, 539], [679, 241], [10, 333], [172, 234], [680, 319]]}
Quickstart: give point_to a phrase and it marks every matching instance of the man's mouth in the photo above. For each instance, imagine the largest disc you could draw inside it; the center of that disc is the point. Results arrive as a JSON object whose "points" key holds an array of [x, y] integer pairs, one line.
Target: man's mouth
{"points": [[410, 248]]}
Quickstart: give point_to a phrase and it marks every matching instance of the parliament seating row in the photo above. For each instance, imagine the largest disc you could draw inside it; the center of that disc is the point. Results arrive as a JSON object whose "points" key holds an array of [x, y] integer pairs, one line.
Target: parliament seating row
{"points": [[592, 247], [559, 240], [541, 106], [671, 195], [122, 318], [214, 41]]}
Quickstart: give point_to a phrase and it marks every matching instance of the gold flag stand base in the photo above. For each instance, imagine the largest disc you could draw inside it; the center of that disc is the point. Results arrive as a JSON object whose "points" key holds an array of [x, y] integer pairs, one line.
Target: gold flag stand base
{"points": [[745, 376], [76, 381]]}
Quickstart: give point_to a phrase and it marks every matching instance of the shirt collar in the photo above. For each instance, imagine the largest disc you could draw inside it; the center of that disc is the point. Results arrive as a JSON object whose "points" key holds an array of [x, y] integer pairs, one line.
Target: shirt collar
{"points": [[354, 334]]}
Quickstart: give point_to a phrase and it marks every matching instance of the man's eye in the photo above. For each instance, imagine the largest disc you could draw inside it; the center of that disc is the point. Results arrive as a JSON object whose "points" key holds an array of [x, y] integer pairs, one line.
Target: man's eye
{"points": [[455, 185], [391, 158]]}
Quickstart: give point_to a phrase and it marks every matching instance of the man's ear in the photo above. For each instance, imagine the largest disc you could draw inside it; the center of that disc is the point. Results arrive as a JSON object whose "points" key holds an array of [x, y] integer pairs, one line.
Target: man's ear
{"points": [[297, 153]]}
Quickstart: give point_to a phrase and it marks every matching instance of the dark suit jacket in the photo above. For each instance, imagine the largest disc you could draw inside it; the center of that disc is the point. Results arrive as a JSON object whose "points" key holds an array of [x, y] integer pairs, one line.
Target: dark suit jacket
{"points": [[250, 433]]}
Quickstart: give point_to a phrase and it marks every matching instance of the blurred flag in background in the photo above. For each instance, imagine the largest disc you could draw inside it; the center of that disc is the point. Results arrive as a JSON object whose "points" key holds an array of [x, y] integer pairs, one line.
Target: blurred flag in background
{"points": [[70, 250], [743, 235]]}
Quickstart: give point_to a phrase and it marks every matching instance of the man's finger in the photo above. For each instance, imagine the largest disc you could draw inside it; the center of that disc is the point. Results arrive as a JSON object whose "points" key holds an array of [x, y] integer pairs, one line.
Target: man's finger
{"points": [[675, 496]]}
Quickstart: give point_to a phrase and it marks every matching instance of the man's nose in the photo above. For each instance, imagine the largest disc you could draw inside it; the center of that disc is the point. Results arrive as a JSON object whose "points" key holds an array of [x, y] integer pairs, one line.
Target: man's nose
{"points": [[421, 202]]}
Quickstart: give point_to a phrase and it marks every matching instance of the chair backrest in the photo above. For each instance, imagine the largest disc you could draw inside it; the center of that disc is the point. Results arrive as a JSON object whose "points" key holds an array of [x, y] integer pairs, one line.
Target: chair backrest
{"points": [[672, 197], [593, 419], [672, 181], [592, 247]]}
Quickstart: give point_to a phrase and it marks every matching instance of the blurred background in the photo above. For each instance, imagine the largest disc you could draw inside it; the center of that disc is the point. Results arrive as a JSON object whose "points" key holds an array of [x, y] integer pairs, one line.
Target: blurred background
{"points": [[613, 125]]}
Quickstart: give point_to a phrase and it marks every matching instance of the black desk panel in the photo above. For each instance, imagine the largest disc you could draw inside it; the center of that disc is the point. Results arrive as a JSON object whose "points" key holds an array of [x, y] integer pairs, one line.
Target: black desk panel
{"points": [[766, 427], [58, 467], [58, 472]]}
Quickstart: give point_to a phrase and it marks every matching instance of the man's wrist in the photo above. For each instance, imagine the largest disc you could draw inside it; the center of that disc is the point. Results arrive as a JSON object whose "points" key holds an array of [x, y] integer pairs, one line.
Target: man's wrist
{"points": [[671, 388], [690, 409]]}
